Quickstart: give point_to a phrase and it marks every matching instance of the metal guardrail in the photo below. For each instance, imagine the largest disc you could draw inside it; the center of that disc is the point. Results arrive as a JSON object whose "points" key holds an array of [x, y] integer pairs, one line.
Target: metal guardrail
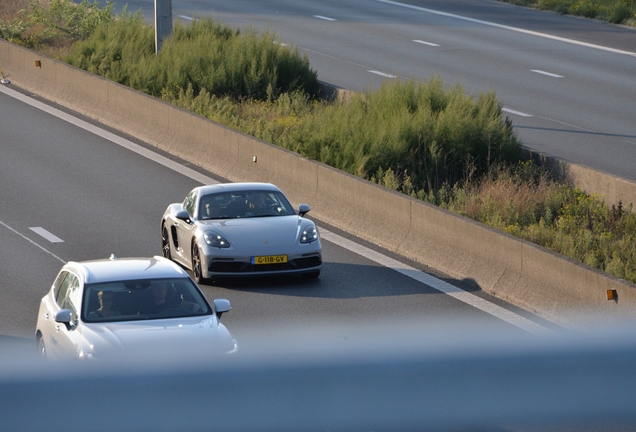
{"points": [[430, 377]]}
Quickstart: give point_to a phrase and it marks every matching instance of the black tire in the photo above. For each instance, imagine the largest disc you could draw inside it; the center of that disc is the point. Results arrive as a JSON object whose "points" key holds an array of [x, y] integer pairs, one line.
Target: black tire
{"points": [[165, 243], [311, 275], [196, 264]]}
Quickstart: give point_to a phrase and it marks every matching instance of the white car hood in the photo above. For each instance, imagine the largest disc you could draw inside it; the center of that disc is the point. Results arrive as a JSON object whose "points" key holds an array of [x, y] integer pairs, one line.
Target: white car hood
{"points": [[172, 337], [272, 230]]}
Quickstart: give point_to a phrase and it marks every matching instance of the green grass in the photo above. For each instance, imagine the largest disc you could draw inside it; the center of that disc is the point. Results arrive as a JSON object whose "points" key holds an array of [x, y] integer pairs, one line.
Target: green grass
{"points": [[613, 11], [203, 57]]}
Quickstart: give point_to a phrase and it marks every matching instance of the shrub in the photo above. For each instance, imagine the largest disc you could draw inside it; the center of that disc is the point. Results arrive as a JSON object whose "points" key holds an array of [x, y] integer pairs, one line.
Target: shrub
{"points": [[56, 23], [424, 132], [525, 201], [202, 58]]}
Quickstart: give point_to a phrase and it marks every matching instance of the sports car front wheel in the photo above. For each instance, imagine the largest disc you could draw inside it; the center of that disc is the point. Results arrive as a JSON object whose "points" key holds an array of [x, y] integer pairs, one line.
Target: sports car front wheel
{"points": [[165, 243], [196, 264]]}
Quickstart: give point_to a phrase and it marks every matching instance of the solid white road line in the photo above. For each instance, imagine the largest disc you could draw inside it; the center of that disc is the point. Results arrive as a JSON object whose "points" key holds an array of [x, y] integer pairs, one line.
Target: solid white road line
{"points": [[505, 27], [546, 73], [32, 242], [185, 17], [105, 134], [411, 272], [438, 284], [47, 235]]}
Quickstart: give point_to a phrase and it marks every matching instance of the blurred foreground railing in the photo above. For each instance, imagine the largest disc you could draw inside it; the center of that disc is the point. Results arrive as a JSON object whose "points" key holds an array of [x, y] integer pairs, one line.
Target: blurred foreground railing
{"points": [[401, 378]]}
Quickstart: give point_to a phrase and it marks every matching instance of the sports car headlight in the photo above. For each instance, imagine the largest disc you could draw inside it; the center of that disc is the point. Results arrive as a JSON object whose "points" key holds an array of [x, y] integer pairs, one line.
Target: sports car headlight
{"points": [[310, 234], [215, 240]]}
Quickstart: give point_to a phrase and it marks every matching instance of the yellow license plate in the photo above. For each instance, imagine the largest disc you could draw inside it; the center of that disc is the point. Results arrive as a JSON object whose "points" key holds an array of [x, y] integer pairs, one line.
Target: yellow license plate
{"points": [[270, 259]]}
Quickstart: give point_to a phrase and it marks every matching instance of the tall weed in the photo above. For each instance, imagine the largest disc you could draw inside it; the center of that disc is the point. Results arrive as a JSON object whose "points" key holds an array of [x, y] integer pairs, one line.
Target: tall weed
{"points": [[53, 25], [525, 201], [205, 57], [423, 132]]}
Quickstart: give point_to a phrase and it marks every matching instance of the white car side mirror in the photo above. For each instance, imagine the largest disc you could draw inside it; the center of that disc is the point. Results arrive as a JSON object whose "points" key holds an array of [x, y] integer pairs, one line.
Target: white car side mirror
{"points": [[221, 306], [63, 316]]}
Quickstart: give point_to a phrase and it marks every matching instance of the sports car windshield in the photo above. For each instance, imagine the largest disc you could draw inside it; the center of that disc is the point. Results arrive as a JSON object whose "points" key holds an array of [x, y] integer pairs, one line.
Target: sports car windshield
{"points": [[244, 204], [143, 300]]}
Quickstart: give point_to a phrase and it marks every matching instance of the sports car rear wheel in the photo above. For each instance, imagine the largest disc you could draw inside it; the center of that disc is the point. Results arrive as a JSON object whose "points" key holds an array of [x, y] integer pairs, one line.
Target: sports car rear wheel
{"points": [[165, 243], [196, 264]]}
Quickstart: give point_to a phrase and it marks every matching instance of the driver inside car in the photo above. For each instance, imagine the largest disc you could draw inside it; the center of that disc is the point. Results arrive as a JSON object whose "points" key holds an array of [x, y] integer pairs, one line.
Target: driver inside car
{"points": [[255, 203], [163, 298]]}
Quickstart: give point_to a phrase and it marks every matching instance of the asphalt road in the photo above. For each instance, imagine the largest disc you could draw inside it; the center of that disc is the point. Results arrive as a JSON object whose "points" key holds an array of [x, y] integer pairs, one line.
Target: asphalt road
{"points": [[566, 82], [68, 193]]}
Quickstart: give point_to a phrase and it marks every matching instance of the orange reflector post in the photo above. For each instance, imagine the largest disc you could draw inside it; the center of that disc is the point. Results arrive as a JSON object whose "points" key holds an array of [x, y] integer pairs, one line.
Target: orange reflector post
{"points": [[611, 294], [38, 64]]}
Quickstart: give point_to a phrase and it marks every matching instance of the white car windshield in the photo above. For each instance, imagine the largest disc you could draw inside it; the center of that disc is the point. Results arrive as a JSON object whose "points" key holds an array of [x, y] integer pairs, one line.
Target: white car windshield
{"points": [[143, 300], [241, 204]]}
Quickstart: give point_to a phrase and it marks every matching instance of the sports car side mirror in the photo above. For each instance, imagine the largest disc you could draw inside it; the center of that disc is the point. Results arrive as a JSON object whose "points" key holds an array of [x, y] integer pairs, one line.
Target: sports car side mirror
{"points": [[221, 306], [183, 215], [303, 209]]}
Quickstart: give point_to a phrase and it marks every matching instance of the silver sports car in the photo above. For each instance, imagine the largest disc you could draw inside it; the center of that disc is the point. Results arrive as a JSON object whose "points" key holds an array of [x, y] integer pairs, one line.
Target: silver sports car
{"points": [[240, 229], [127, 308]]}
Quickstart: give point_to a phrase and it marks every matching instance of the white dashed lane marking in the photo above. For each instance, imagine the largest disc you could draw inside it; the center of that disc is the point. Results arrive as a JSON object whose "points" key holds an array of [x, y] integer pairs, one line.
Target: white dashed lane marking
{"points": [[47, 235], [325, 18], [505, 27], [32, 242], [519, 113], [546, 73], [382, 74], [425, 43]]}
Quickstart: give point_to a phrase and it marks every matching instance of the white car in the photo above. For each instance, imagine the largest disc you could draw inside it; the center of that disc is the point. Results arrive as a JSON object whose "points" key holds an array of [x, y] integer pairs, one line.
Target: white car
{"points": [[240, 229], [111, 308]]}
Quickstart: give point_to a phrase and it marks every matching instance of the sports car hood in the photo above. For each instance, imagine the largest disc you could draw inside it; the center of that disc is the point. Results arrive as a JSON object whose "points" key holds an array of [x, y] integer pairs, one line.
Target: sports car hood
{"points": [[273, 230], [167, 338]]}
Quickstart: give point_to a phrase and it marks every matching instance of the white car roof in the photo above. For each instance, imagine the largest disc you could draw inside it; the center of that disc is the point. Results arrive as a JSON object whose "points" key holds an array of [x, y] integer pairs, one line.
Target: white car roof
{"points": [[231, 187], [118, 269]]}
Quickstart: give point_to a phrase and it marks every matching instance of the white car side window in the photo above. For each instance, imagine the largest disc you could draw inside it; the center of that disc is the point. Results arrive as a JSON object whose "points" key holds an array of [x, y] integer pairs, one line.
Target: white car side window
{"points": [[74, 297], [61, 288]]}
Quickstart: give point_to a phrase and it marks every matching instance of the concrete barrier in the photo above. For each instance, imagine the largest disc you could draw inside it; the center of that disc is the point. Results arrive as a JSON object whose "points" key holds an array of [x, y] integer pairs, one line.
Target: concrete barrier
{"points": [[520, 272], [612, 189]]}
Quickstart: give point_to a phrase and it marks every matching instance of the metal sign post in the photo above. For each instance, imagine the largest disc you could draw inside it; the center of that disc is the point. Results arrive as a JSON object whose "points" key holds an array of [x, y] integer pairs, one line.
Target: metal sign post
{"points": [[163, 22]]}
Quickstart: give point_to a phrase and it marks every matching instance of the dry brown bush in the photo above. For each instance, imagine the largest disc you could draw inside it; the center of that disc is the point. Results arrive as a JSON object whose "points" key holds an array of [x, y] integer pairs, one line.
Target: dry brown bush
{"points": [[9, 8]]}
